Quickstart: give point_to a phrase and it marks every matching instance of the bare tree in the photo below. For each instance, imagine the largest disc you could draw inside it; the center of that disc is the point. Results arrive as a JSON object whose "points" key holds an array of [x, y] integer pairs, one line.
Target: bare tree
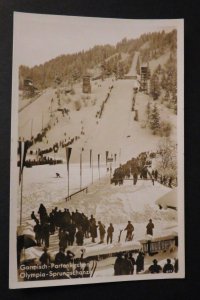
{"points": [[167, 157]]}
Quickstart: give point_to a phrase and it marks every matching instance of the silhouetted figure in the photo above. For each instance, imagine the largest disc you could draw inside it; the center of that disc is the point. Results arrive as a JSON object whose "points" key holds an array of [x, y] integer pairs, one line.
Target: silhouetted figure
{"points": [[168, 267], [130, 229], [93, 230], [60, 257], [79, 236], [132, 259], [155, 268], [140, 262], [110, 231], [150, 227], [45, 258], [118, 265], [126, 266], [102, 232]]}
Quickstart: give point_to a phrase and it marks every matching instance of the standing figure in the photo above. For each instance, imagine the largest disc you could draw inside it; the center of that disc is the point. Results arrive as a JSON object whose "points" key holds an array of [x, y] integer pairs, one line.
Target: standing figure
{"points": [[132, 259], [127, 266], [140, 262], [118, 265], [110, 231], [93, 230], [130, 229], [38, 233], [79, 236], [46, 234], [101, 232], [150, 227]]}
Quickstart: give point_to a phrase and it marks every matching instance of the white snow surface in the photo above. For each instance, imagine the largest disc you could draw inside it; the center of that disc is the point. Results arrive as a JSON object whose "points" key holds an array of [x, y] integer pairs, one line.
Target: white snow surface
{"points": [[117, 132]]}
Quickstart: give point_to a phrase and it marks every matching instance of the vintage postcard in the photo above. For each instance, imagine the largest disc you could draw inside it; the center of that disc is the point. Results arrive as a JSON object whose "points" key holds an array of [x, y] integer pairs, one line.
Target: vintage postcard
{"points": [[97, 150]]}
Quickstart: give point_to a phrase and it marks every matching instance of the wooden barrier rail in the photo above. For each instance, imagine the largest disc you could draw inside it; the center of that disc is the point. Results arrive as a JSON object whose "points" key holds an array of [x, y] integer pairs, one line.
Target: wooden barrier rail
{"points": [[82, 190]]}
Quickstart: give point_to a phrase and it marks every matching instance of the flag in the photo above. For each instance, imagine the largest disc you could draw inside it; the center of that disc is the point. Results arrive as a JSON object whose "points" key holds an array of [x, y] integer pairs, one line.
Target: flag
{"points": [[22, 150], [98, 160], [68, 153], [107, 156], [90, 158]]}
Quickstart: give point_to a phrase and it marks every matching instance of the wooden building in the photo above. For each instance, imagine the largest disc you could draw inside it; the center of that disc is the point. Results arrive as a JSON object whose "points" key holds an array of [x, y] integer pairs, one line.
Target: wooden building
{"points": [[86, 84]]}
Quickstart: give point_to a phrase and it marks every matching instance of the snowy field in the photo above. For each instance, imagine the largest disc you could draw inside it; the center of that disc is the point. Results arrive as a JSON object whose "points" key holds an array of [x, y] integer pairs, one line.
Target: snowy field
{"points": [[115, 131]]}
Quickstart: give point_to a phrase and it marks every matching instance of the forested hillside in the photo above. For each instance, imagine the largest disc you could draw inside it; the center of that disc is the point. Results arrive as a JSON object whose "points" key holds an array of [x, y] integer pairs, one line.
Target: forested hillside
{"points": [[71, 67]]}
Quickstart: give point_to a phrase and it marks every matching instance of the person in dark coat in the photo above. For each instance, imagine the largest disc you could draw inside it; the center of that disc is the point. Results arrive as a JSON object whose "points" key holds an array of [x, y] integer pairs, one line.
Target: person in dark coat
{"points": [[140, 262], [168, 267], [130, 229], [93, 230], [64, 237], [38, 233], [46, 234], [102, 232], [155, 268], [43, 214], [150, 227], [118, 265], [72, 232], [52, 226], [132, 259], [45, 258], [79, 236], [60, 257], [110, 231], [126, 266]]}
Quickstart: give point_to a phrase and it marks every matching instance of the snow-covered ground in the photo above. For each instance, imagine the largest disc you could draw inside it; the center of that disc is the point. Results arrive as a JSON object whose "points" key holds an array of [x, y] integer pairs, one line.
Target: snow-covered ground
{"points": [[115, 131]]}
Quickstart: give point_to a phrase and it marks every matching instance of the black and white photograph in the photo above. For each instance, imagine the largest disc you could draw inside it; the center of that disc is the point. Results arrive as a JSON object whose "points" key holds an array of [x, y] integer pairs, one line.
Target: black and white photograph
{"points": [[97, 150]]}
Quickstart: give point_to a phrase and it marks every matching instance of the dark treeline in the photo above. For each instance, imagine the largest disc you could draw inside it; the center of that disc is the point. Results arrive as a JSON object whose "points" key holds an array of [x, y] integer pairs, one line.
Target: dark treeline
{"points": [[72, 67]]}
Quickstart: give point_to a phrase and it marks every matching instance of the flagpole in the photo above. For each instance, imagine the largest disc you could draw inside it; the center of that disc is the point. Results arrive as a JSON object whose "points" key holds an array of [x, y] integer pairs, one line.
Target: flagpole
{"points": [[81, 169], [68, 153], [21, 197], [92, 166], [68, 181], [99, 164]]}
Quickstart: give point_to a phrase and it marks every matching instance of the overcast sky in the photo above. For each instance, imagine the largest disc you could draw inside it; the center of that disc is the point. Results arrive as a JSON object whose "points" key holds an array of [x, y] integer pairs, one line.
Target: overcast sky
{"points": [[39, 38]]}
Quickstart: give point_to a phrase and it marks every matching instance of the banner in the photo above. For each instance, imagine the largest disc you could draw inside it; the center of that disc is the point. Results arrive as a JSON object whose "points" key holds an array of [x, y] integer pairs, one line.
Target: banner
{"points": [[68, 153], [90, 158], [107, 156], [23, 147]]}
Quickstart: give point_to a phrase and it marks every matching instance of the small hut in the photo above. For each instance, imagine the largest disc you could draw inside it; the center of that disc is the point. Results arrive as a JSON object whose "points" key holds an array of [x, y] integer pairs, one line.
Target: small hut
{"points": [[86, 84]]}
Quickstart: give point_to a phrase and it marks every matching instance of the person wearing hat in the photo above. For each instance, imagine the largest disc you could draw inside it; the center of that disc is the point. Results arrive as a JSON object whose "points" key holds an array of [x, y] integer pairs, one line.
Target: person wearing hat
{"points": [[168, 267], [155, 268], [150, 227]]}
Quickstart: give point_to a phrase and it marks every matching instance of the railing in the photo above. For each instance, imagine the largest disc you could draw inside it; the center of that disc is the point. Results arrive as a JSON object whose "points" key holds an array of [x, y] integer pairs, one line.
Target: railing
{"points": [[77, 192]]}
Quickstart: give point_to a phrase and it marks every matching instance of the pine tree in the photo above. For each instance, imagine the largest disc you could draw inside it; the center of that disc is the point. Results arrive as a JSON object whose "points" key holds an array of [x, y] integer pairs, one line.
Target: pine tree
{"points": [[154, 119], [148, 111]]}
